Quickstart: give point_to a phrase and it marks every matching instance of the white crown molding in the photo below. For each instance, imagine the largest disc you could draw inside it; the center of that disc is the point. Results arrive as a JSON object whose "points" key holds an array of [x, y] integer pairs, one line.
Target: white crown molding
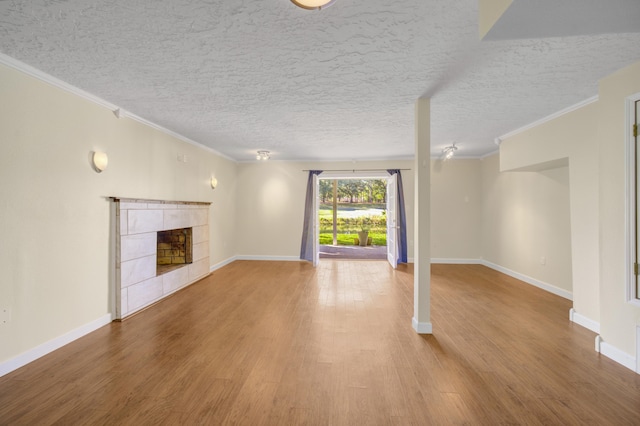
{"points": [[117, 111], [341, 160], [489, 154], [53, 81], [549, 117]]}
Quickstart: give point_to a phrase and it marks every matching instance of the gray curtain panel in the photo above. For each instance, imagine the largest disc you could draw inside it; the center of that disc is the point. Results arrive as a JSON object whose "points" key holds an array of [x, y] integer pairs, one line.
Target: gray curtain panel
{"points": [[402, 235], [306, 249]]}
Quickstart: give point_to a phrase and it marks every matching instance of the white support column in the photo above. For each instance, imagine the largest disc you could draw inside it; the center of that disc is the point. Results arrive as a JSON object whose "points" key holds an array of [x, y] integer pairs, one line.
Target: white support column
{"points": [[422, 238]]}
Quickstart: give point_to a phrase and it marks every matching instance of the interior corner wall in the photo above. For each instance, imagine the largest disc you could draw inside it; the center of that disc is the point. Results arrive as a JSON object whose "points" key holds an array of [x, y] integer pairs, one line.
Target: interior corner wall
{"points": [[456, 200], [571, 137], [618, 318], [525, 218], [55, 217], [489, 12]]}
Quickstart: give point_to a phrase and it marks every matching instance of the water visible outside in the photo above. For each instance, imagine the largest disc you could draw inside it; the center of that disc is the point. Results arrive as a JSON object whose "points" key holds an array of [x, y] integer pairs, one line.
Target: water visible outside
{"points": [[352, 218]]}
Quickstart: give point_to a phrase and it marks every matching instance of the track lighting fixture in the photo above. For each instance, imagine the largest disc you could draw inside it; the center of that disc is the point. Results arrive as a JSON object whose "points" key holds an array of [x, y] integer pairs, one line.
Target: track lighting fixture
{"points": [[450, 151]]}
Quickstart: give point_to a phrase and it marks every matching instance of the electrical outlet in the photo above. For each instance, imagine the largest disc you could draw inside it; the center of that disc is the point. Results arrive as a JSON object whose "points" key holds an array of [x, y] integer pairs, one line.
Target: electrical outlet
{"points": [[543, 260], [5, 315]]}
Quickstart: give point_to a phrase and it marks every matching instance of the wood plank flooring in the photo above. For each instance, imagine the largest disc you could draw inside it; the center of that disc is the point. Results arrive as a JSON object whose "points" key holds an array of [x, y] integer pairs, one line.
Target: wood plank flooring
{"points": [[282, 343]]}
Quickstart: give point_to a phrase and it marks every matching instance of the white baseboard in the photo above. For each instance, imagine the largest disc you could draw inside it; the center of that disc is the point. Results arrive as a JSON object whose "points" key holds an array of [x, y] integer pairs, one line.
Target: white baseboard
{"points": [[617, 355], [223, 263], [586, 322], [540, 284], [421, 327], [262, 257], [457, 261], [294, 258], [25, 358]]}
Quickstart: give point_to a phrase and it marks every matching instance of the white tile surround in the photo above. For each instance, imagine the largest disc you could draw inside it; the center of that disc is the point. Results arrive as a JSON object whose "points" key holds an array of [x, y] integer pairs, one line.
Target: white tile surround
{"points": [[136, 227]]}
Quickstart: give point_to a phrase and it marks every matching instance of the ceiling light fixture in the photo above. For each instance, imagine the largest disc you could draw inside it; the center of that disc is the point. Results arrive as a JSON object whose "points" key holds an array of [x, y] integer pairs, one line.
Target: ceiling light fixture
{"points": [[450, 151], [313, 4], [263, 155]]}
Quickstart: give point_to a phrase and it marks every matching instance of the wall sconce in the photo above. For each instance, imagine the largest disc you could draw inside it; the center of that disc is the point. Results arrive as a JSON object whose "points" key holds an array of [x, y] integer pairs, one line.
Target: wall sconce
{"points": [[214, 182], [99, 160]]}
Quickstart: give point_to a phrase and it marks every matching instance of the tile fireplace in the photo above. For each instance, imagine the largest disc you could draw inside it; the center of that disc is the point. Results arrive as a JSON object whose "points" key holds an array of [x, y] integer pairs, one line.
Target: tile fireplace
{"points": [[161, 247]]}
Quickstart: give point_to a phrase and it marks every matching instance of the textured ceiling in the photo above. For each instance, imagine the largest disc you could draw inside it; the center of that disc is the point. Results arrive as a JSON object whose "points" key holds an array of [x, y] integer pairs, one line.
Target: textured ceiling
{"points": [[338, 84]]}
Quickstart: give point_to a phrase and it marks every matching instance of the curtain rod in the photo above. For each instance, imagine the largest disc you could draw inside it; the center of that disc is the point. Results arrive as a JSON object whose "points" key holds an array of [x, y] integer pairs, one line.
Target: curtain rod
{"points": [[357, 170]]}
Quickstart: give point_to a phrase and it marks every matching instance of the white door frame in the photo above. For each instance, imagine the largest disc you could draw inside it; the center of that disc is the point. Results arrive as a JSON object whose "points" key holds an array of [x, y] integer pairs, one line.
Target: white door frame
{"points": [[392, 221], [632, 207], [343, 175], [316, 220]]}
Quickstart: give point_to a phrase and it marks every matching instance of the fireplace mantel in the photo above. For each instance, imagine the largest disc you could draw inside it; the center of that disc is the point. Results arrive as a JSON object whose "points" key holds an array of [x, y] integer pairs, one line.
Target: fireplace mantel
{"points": [[137, 282], [145, 200]]}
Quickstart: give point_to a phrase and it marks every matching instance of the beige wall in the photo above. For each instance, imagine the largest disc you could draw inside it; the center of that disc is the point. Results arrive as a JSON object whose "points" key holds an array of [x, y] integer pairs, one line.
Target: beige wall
{"points": [[54, 216], [271, 198], [571, 138], [592, 139], [271, 206], [618, 318], [456, 200], [525, 217]]}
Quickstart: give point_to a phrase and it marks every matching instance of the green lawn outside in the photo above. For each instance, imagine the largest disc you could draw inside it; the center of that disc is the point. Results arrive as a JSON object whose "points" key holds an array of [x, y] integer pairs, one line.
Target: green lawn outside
{"points": [[352, 218], [327, 208], [377, 239]]}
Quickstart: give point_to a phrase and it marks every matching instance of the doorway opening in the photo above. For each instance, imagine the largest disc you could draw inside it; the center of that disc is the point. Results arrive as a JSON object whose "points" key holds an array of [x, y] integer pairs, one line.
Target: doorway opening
{"points": [[352, 214], [394, 214]]}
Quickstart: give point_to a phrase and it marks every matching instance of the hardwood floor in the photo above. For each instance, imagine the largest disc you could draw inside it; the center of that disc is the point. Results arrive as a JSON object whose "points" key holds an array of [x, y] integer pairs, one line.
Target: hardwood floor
{"points": [[282, 343]]}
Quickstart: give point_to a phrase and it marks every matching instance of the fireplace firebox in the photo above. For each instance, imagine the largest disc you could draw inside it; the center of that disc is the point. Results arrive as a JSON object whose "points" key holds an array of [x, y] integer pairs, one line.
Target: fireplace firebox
{"points": [[175, 249]]}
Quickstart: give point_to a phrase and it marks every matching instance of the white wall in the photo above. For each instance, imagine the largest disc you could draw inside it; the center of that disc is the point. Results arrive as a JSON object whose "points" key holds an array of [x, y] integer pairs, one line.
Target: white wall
{"points": [[525, 217], [54, 213]]}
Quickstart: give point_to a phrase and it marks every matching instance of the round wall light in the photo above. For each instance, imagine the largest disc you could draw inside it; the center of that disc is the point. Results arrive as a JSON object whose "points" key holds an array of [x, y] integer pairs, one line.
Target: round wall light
{"points": [[100, 161]]}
